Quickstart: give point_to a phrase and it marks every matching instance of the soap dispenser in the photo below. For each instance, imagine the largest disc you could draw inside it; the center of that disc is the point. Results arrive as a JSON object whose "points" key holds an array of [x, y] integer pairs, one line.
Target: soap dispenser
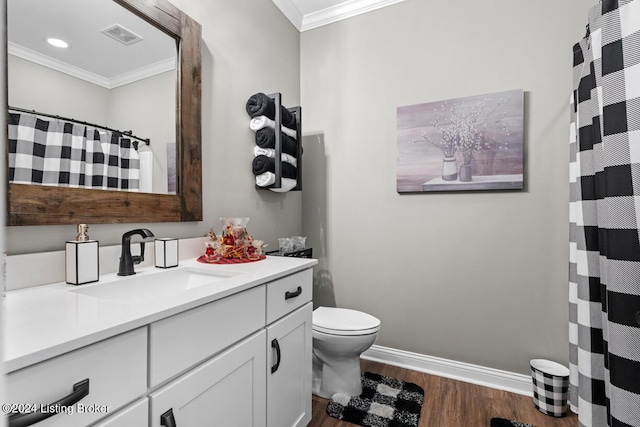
{"points": [[167, 252], [82, 258]]}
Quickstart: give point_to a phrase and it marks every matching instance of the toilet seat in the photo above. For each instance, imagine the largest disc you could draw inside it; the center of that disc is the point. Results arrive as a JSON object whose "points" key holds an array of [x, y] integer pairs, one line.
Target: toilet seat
{"points": [[344, 321]]}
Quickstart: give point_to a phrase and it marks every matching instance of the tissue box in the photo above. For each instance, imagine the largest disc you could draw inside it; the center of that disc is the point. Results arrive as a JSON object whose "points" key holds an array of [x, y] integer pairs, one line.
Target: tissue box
{"points": [[166, 252], [82, 262]]}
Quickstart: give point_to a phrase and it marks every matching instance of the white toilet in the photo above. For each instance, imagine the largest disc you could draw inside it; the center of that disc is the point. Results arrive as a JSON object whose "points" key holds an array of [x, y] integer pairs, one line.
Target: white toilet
{"points": [[340, 336]]}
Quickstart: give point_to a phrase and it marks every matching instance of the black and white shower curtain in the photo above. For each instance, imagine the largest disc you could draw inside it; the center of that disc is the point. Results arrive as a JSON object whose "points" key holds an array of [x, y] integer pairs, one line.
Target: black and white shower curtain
{"points": [[65, 154], [604, 284]]}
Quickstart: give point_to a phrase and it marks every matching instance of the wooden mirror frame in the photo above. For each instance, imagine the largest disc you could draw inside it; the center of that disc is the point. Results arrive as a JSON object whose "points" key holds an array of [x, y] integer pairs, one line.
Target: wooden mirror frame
{"points": [[44, 205]]}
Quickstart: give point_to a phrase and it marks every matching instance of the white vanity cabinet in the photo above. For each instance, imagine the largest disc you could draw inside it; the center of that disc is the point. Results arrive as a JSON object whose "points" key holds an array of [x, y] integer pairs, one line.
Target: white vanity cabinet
{"points": [[181, 341], [230, 387], [263, 381], [289, 370], [136, 414], [242, 360], [228, 390], [109, 374], [289, 313]]}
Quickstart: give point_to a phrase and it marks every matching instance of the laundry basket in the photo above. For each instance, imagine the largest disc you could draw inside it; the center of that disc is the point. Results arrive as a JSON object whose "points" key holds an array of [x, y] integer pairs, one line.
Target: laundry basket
{"points": [[550, 387]]}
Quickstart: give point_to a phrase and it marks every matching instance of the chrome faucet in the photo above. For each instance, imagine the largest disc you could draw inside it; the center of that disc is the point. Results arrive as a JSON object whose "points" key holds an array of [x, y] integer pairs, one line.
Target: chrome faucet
{"points": [[127, 261]]}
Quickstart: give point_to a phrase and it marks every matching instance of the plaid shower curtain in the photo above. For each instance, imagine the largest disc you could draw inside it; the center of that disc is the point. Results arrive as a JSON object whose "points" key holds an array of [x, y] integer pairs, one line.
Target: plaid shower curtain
{"points": [[604, 284], [65, 154]]}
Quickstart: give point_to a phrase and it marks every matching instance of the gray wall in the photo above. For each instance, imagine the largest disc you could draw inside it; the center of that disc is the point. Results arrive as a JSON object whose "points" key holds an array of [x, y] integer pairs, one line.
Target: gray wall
{"points": [[36, 87], [148, 107], [473, 277], [248, 46]]}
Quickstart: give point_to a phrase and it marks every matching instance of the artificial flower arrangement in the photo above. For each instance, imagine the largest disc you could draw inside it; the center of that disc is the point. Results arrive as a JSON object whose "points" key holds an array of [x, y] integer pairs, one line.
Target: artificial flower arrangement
{"points": [[235, 243]]}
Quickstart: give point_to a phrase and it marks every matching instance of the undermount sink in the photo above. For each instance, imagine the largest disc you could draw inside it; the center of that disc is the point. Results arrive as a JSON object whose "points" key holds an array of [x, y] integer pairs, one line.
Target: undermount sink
{"points": [[143, 287]]}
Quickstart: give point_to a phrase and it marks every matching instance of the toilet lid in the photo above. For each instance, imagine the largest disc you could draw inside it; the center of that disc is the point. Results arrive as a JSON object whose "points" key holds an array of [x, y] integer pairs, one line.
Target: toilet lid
{"points": [[343, 321]]}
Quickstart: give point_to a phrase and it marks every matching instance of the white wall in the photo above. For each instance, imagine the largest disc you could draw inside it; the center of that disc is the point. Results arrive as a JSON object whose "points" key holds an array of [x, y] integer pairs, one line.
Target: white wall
{"points": [[477, 277], [248, 46], [36, 87], [148, 107]]}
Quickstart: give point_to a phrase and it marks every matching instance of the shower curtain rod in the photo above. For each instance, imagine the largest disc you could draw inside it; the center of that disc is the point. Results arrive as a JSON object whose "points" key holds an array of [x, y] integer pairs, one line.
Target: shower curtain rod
{"points": [[128, 133]]}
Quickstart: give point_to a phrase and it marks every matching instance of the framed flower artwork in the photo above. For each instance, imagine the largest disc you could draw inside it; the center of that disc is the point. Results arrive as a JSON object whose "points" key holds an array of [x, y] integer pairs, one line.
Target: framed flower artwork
{"points": [[471, 143]]}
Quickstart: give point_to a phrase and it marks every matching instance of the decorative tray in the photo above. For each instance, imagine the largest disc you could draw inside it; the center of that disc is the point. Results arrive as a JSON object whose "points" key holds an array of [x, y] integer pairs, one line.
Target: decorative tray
{"points": [[203, 259]]}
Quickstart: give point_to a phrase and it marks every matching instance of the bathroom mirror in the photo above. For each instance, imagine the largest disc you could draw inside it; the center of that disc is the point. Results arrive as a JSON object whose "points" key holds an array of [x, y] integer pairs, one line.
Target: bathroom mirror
{"points": [[114, 70], [39, 205]]}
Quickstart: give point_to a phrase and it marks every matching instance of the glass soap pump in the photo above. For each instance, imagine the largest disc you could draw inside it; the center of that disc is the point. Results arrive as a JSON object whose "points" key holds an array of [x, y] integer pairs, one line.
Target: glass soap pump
{"points": [[82, 258]]}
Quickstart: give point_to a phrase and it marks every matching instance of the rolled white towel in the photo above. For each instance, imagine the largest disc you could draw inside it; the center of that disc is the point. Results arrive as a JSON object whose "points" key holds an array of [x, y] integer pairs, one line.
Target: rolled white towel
{"points": [[260, 122], [287, 184], [268, 178], [270, 152]]}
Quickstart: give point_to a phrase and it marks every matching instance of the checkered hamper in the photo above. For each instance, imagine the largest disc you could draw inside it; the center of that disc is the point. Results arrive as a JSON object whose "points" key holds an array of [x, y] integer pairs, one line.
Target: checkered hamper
{"points": [[550, 387]]}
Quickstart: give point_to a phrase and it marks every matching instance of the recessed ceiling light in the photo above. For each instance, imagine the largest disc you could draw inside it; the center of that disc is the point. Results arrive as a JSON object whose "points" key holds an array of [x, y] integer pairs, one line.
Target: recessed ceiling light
{"points": [[58, 43]]}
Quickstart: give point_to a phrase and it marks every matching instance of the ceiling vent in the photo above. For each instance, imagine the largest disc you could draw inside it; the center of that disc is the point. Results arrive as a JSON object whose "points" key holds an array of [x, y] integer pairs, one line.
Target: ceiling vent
{"points": [[121, 34]]}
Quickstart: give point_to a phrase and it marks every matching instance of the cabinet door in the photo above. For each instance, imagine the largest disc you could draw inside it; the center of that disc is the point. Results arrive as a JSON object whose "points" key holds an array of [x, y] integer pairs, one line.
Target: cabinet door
{"points": [[228, 390], [136, 414], [289, 369]]}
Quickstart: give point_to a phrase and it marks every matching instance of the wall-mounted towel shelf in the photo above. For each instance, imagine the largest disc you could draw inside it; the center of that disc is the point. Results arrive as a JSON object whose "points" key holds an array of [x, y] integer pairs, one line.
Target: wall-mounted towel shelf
{"points": [[282, 146]]}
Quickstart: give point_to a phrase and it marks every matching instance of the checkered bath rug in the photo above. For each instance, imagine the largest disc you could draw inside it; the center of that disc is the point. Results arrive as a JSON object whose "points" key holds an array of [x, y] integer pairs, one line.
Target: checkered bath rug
{"points": [[384, 402]]}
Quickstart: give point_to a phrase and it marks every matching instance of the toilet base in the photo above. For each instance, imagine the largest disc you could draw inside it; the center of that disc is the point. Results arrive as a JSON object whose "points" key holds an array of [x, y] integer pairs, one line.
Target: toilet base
{"points": [[343, 377]]}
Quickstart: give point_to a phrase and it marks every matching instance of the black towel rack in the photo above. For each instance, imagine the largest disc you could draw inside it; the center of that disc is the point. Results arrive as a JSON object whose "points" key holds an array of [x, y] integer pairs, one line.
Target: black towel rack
{"points": [[297, 111]]}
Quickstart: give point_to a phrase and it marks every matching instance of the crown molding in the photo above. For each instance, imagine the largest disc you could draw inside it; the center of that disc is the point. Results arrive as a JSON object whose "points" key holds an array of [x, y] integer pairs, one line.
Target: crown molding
{"points": [[291, 11], [63, 67], [344, 10], [72, 70], [143, 73]]}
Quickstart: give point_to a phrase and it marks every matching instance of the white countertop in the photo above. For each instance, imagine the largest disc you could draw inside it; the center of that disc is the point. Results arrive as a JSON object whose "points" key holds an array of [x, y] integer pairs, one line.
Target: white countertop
{"points": [[46, 321]]}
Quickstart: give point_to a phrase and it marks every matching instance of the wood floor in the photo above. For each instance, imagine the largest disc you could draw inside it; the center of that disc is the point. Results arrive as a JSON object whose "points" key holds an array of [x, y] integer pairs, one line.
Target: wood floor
{"points": [[450, 403]]}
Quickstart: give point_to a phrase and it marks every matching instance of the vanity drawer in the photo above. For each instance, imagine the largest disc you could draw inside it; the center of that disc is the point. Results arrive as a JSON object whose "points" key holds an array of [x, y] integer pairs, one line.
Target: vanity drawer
{"points": [[181, 341], [286, 294], [116, 369]]}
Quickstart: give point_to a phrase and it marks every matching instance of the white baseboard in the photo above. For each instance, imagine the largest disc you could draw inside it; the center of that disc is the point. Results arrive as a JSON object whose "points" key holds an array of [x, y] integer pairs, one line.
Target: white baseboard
{"points": [[475, 374]]}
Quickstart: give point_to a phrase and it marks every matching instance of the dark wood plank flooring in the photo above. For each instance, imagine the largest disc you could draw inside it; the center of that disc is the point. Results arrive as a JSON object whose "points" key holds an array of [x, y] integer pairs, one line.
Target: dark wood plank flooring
{"points": [[450, 403]]}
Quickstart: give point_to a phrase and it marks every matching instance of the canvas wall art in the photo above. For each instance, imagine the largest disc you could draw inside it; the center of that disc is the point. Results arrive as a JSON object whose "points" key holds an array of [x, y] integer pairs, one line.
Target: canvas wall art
{"points": [[471, 143]]}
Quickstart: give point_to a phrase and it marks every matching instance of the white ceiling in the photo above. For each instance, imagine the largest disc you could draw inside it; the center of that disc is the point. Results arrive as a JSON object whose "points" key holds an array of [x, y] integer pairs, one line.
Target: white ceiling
{"points": [[91, 55], [94, 57], [309, 14]]}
